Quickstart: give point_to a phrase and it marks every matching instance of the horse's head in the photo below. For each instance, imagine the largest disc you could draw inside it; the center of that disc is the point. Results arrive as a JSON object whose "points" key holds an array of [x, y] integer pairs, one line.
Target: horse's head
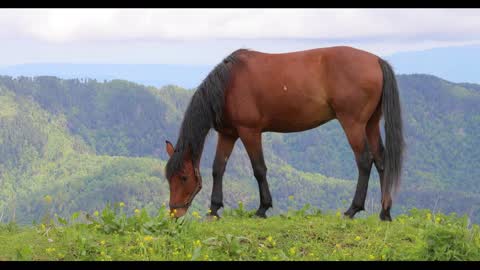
{"points": [[184, 183]]}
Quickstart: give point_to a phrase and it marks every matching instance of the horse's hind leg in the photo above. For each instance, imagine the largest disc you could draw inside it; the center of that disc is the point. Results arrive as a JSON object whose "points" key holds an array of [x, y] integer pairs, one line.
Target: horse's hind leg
{"points": [[252, 140], [377, 148], [225, 145], [357, 138]]}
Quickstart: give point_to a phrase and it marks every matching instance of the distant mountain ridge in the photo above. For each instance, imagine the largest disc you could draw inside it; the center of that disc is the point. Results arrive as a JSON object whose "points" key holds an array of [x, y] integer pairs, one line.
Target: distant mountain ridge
{"points": [[86, 142], [156, 75], [457, 64]]}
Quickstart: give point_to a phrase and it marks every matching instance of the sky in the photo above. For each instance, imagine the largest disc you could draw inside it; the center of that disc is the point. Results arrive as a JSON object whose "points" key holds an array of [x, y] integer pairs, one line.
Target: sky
{"points": [[204, 36]]}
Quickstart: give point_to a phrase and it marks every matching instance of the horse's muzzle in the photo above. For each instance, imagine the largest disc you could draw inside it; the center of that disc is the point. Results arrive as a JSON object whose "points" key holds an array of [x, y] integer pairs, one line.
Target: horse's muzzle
{"points": [[179, 210]]}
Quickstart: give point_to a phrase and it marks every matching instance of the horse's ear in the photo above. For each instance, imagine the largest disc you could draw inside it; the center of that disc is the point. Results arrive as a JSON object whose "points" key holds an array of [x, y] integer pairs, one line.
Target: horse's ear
{"points": [[170, 148]]}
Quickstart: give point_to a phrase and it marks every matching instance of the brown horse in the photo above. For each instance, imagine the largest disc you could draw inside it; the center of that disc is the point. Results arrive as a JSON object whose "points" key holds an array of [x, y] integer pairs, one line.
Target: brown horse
{"points": [[251, 92]]}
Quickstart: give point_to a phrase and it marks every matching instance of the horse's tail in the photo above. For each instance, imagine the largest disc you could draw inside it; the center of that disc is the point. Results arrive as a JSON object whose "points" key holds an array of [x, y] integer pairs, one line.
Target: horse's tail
{"points": [[394, 142]]}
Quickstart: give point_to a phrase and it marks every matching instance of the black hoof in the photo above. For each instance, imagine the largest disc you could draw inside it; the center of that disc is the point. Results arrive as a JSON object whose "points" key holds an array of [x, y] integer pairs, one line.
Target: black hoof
{"points": [[385, 216], [261, 212], [352, 211], [211, 216], [214, 207], [260, 215]]}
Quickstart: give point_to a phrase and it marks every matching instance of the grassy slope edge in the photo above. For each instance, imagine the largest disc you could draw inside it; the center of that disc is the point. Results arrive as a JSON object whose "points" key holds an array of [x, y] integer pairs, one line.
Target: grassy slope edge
{"points": [[304, 234]]}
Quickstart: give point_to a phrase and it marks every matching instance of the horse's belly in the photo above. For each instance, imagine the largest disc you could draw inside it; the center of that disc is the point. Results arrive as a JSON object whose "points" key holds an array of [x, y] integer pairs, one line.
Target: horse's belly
{"points": [[298, 117]]}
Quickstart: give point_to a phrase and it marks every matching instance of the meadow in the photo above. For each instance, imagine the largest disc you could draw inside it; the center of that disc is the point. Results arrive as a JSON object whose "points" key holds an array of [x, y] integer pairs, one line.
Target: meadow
{"points": [[304, 234]]}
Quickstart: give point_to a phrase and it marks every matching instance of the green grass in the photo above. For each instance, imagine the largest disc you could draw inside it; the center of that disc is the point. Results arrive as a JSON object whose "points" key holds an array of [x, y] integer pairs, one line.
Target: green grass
{"points": [[305, 234]]}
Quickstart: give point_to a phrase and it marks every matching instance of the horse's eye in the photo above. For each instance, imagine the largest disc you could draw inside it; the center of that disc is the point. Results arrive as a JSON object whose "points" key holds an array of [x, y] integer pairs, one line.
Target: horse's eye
{"points": [[184, 178]]}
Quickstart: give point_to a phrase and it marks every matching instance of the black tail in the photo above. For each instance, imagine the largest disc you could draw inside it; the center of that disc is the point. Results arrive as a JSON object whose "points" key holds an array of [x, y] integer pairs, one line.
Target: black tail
{"points": [[394, 142]]}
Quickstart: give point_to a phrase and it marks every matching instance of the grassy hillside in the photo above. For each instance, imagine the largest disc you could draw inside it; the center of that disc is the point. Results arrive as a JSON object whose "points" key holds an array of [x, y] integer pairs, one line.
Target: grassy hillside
{"points": [[85, 143], [296, 235], [40, 157]]}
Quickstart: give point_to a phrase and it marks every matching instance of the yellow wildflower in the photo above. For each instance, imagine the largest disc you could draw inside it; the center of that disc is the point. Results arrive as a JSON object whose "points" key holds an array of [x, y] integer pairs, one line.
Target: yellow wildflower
{"points": [[269, 239], [429, 216], [206, 257], [137, 211], [338, 246], [195, 214], [122, 204], [96, 213], [292, 251], [371, 257], [148, 238], [438, 219], [48, 199], [291, 197], [189, 256], [102, 242], [50, 250], [358, 238], [338, 214], [209, 211]]}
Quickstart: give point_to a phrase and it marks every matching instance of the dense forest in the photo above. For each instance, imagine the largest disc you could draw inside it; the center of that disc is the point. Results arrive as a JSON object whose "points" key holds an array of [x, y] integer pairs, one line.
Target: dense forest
{"points": [[81, 143]]}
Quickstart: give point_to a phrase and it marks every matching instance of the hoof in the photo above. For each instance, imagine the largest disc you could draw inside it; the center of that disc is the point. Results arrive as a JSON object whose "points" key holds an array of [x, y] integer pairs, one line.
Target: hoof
{"points": [[261, 213], [352, 211], [385, 216], [211, 217]]}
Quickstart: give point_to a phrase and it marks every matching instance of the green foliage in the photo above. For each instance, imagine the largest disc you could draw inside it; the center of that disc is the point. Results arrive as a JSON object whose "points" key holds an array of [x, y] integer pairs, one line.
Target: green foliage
{"points": [[306, 234], [240, 211], [116, 221], [69, 148], [87, 143]]}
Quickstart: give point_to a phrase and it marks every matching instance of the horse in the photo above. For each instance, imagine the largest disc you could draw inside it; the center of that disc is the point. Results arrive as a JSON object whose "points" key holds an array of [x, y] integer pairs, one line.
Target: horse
{"points": [[252, 92]]}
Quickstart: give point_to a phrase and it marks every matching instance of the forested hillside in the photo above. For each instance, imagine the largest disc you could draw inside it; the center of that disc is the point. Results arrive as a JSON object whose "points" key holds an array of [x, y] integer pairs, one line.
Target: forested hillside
{"points": [[84, 142]]}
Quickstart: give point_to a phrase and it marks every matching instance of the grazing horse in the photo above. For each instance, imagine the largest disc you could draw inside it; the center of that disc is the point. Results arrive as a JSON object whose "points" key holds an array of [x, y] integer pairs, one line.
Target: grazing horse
{"points": [[251, 92]]}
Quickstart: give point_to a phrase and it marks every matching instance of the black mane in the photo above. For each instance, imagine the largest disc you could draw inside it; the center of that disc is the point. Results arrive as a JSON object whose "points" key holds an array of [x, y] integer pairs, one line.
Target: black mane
{"points": [[203, 113]]}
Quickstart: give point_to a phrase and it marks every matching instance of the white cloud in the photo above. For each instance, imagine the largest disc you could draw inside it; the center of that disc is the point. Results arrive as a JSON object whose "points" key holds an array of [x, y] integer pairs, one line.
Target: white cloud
{"points": [[203, 36], [63, 25]]}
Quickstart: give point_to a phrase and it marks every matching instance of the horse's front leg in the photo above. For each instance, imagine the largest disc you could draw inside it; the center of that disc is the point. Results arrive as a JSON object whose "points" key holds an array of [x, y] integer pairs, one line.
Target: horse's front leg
{"points": [[252, 140], [225, 145]]}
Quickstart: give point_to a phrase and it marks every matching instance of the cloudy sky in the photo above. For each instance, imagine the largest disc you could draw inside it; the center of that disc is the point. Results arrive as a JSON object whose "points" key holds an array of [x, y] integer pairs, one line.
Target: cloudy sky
{"points": [[203, 36]]}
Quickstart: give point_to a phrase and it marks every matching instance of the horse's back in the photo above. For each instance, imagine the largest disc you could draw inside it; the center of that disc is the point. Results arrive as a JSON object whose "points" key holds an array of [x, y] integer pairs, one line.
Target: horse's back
{"points": [[328, 66], [296, 91]]}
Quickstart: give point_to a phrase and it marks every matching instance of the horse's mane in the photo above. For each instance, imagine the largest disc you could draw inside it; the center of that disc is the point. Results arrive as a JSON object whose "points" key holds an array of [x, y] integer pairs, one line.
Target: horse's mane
{"points": [[203, 112]]}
